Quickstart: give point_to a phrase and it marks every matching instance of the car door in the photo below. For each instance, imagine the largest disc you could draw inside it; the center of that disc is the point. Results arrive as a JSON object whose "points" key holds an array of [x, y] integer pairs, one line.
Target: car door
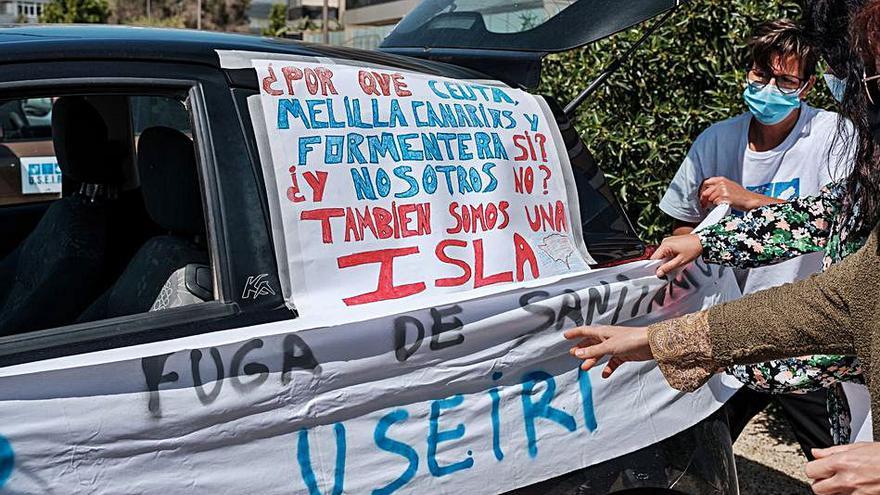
{"points": [[657, 466], [237, 281]]}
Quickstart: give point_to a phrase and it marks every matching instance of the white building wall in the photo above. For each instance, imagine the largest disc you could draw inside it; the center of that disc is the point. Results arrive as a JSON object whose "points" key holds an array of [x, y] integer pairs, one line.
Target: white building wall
{"points": [[320, 3], [30, 9]]}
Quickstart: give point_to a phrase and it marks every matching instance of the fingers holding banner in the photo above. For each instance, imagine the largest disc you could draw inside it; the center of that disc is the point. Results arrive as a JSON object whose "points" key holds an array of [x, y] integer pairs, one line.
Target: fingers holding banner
{"points": [[678, 251]]}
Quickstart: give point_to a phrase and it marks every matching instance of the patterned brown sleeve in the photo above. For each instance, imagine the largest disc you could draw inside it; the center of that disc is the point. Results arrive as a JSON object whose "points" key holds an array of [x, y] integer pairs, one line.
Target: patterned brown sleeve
{"points": [[683, 350]]}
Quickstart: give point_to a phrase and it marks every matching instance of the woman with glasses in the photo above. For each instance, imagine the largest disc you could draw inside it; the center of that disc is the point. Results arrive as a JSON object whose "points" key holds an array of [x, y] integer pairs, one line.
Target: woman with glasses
{"points": [[836, 312], [775, 233], [771, 153], [776, 152]]}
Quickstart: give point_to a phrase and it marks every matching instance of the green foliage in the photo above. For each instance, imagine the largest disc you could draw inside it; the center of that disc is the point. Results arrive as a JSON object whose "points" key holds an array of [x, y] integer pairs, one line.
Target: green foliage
{"points": [[216, 15], [640, 124], [277, 20], [76, 11], [223, 15]]}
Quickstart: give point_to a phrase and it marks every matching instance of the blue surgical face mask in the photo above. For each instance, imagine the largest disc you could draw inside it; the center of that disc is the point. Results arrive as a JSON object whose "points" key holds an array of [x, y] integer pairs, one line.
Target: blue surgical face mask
{"points": [[837, 86], [769, 105]]}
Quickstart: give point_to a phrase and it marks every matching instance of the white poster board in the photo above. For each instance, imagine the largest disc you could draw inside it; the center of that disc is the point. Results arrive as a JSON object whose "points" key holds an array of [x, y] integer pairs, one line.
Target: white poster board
{"points": [[400, 190]]}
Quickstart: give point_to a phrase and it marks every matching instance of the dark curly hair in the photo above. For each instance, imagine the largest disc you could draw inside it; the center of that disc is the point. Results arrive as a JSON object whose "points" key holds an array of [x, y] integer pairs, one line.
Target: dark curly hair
{"points": [[861, 203], [839, 29], [828, 24], [782, 37]]}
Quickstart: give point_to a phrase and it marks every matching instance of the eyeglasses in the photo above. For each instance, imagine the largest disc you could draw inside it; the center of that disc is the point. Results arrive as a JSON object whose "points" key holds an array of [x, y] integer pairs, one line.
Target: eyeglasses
{"points": [[786, 84], [872, 90]]}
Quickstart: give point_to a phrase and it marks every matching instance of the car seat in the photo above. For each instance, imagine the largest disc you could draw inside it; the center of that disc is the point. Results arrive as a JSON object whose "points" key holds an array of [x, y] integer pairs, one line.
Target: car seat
{"points": [[56, 271], [12, 119], [170, 187]]}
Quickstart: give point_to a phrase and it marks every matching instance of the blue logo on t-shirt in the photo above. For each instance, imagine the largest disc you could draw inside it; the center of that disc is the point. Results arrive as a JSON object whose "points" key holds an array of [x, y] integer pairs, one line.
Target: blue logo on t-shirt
{"points": [[785, 190]]}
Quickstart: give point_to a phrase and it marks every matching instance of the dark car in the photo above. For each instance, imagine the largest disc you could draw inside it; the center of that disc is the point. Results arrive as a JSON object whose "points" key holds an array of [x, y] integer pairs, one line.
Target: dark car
{"points": [[108, 91]]}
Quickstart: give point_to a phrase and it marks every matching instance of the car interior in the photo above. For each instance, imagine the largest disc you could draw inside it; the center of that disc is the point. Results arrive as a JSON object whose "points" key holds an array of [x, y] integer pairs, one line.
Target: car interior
{"points": [[126, 235]]}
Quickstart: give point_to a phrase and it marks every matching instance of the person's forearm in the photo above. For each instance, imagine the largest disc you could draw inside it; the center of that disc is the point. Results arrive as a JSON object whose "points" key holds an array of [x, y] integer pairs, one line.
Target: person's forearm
{"points": [[804, 374], [760, 200], [684, 349], [766, 235], [682, 228], [819, 315]]}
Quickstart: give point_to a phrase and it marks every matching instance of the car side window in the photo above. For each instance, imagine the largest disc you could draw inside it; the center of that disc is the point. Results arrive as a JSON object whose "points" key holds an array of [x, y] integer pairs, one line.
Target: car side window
{"points": [[128, 235], [150, 111], [29, 171]]}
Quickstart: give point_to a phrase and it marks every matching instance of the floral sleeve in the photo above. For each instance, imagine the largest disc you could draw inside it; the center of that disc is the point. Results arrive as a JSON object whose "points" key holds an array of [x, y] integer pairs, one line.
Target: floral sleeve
{"points": [[799, 375], [806, 374], [772, 233]]}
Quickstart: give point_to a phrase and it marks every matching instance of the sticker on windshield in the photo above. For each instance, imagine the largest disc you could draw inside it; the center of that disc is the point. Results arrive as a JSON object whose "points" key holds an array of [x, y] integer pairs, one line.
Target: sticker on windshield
{"points": [[40, 175]]}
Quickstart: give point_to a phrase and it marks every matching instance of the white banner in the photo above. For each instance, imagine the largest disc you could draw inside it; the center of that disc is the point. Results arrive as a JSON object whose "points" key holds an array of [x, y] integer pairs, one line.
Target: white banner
{"points": [[474, 397], [400, 190]]}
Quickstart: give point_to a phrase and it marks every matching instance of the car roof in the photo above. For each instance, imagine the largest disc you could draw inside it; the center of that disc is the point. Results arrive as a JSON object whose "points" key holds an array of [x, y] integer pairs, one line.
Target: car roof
{"points": [[58, 42]]}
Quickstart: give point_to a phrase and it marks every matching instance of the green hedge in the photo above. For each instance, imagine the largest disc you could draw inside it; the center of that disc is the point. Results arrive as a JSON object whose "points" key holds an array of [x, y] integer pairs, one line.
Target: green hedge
{"points": [[640, 124]]}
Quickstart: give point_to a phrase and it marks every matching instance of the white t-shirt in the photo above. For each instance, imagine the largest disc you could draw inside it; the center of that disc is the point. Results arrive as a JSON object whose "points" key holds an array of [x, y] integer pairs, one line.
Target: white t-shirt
{"points": [[800, 166]]}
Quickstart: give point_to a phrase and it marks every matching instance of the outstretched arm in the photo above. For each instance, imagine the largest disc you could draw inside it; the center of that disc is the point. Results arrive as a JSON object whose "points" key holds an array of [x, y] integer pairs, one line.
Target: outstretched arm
{"points": [[819, 315], [681, 347], [763, 236], [771, 234]]}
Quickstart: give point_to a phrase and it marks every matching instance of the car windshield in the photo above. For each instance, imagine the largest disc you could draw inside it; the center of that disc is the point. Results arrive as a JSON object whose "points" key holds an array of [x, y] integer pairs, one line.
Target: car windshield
{"points": [[531, 25]]}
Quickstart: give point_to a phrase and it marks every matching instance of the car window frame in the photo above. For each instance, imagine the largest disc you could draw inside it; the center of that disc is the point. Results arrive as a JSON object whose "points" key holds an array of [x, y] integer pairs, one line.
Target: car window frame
{"points": [[130, 329]]}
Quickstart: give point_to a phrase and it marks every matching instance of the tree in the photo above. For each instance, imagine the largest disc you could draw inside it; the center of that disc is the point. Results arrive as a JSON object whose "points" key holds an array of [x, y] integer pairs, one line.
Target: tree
{"points": [[76, 11], [277, 20], [222, 15], [217, 15], [642, 121]]}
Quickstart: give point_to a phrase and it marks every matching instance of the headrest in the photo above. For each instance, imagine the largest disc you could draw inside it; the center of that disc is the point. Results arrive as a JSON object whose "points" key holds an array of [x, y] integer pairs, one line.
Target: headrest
{"points": [[82, 143], [170, 180]]}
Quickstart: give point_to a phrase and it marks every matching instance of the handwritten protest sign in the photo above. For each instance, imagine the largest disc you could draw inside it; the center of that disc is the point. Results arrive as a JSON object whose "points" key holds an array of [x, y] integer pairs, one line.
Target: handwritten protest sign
{"points": [[400, 188]]}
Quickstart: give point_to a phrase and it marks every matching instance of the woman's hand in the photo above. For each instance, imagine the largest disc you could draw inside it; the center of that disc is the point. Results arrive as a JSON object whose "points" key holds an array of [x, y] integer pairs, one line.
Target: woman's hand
{"points": [[719, 190], [679, 251], [622, 344], [846, 469]]}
